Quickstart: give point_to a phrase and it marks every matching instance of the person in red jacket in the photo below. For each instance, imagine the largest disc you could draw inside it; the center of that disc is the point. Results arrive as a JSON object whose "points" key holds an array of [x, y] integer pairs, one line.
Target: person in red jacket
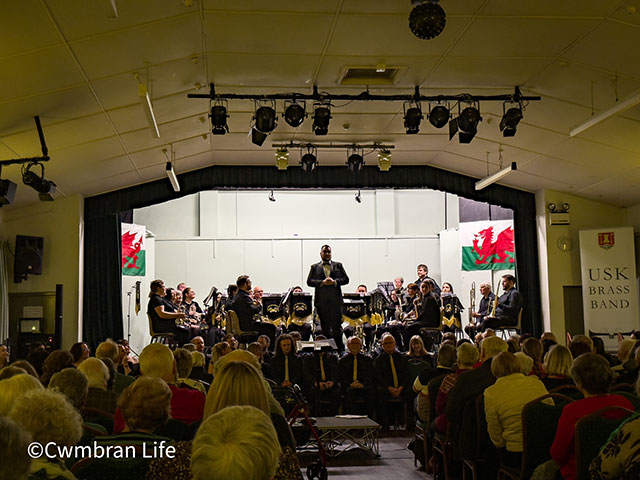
{"points": [[593, 376]]}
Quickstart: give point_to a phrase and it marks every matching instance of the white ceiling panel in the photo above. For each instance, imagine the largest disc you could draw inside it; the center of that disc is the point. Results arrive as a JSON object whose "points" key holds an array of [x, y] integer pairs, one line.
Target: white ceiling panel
{"points": [[569, 8], [18, 39]]}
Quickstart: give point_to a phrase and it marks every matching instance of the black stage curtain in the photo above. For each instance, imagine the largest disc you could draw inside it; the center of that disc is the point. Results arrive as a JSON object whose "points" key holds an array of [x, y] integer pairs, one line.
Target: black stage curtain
{"points": [[233, 177], [102, 304]]}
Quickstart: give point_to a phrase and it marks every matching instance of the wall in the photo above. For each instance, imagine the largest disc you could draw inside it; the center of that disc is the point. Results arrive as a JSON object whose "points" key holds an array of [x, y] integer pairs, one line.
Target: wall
{"points": [[60, 223], [563, 267]]}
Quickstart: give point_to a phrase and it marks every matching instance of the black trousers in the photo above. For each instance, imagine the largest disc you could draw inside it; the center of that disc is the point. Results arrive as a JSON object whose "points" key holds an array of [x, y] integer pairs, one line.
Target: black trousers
{"points": [[268, 329], [304, 329], [331, 323]]}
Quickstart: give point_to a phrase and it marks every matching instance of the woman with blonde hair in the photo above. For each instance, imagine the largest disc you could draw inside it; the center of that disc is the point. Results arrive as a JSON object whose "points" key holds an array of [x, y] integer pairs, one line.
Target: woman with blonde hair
{"points": [[13, 388], [557, 364], [218, 351]]}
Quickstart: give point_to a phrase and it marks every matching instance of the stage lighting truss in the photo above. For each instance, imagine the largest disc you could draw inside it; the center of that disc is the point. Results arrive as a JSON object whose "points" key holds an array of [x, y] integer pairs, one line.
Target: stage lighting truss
{"points": [[219, 117], [309, 158], [355, 159], [466, 123], [440, 110]]}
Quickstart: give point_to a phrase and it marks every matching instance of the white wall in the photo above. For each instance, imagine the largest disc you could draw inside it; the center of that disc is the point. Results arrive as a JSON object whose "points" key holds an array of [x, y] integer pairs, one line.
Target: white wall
{"points": [[228, 233]]}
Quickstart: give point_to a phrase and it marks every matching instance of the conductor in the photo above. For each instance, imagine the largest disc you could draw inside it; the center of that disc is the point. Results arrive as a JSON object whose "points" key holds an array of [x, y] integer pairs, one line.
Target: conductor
{"points": [[327, 277]]}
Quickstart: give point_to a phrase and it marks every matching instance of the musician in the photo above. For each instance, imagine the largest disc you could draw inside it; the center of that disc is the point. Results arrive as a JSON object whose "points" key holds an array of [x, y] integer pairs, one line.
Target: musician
{"points": [[452, 308], [257, 296], [367, 328], [305, 328], [171, 297], [392, 379], [409, 305], [508, 308], [428, 311], [484, 308], [398, 284], [321, 380], [286, 366], [191, 307], [181, 286], [423, 272], [162, 314], [232, 289], [392, 318], [327, 277], [355, 372], [246, 309]]}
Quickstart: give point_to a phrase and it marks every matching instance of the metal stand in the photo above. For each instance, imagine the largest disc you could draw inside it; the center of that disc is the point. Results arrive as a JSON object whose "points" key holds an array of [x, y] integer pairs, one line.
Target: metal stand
{"points": [[129, 321]]}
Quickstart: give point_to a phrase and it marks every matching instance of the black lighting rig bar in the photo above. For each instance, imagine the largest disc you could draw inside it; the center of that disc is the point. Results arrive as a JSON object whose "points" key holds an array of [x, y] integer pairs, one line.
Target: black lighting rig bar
{"points": [[515, 97], [45, 151], [336, 146]]}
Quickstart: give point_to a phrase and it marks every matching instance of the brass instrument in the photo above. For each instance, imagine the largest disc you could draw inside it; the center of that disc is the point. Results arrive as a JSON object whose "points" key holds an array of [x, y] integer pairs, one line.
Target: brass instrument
{"points": [[472, 303], [494, 306]]}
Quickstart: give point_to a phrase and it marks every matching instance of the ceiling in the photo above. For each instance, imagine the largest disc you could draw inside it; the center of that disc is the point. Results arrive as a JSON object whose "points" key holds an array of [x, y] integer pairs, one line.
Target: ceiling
{"points": [[74, 65]]}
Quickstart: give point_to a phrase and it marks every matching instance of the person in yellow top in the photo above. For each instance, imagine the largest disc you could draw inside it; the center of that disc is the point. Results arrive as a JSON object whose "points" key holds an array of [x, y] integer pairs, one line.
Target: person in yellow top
{"points": [[503, 404]]}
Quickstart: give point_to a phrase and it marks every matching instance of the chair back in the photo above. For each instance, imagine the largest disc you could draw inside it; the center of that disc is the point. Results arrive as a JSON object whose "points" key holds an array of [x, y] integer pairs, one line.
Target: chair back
{"points": [[111, 468], [416, 365], [151, 331], [539, 424], [592, 432], [233, 322], [568, 390], [623, 387], [632, 397]]}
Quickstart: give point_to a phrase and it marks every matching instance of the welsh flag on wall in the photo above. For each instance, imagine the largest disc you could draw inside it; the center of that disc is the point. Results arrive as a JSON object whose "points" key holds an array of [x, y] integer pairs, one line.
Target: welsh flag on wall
{"points": [[133, 253], [487, 245]]}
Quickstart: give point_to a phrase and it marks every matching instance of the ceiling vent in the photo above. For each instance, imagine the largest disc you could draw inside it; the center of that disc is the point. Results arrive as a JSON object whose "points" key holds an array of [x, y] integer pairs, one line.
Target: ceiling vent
{"points": [[370, 75]]}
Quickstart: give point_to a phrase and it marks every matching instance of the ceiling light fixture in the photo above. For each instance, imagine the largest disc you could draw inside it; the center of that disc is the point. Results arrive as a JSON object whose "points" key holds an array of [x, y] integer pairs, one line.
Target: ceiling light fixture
{"points": [[282, 158], [219, 117], [384, 160], [485, 182], [619, 107], [294, 113], [412, 117], [145, 101], [439, 115], [427, 19], [171, 174], [321, 118], [45, 188], [510, 120], [265, 121], [309, 161], [466, 123], [355, 160], [358, 197]]}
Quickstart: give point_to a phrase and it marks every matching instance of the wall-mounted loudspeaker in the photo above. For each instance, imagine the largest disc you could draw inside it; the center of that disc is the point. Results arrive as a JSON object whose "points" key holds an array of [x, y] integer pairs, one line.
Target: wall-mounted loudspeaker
{"points": [[7, 192], [28, 259]]}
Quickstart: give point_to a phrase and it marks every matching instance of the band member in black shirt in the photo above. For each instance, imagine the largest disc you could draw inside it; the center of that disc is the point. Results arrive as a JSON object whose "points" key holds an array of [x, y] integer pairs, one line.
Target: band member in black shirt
{"points": [[508, 307], [428, 308], [423, 272], [163, 317], [484, 308], [246, 309]]}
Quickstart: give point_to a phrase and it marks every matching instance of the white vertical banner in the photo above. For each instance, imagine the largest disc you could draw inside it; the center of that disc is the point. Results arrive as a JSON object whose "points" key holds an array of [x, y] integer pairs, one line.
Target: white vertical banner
{"points": [[609, 293]]}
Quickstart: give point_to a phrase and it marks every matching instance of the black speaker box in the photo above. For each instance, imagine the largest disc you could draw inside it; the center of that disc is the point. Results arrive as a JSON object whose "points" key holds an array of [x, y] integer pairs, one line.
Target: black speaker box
{"points": [[7, 192], [28, 259]]}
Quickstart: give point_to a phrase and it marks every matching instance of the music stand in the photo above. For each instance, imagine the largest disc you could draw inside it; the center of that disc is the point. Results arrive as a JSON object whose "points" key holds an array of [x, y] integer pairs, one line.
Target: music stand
{"points": [[327, 345]]}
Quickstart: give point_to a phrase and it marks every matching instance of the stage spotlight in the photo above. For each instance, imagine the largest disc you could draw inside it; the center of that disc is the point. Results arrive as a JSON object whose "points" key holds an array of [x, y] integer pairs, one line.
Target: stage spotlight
{"points": [[321, 117], [45, 188], [219, 120], [510, 120], [309, 160], [427, 20], [294, 113], [384, 160], [439, 116], [355, 161], [358, 197], [282, 158], [412, 117], [271, 197], [264, 123], [467, 123]]}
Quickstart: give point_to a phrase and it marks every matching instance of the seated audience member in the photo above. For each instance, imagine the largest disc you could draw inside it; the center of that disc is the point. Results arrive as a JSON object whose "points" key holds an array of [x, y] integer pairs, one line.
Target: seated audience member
{"points": [[503, 404], [56, 361], [598, 347], [619, 458], [109, 349], [593, 377], [417, 350], [355, 371], [27, 367], [10, 371], [627, 372], [13, 388], [467, 356], [266, 344], [231, 340], [247, 437], [156, 361], [98, 375], [558, 364], [199, 343], [14, 442], [4, 356], [73, 384], [468, 387], [286, 365], [79, 351], [184, 364], [392, 378], [198, 371], [258, 351], [321, 383], [533, 348], [48, 417], [445, 360], [513, 346], [36, 357], [218, 351], [525, 362], [580, 344]]}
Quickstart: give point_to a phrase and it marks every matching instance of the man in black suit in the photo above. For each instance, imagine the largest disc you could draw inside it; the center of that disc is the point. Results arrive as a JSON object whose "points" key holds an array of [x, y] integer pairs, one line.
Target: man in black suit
{"points": [[245, 307], [356, 376], [509, 306], [486, 302], [423, 274], [428, 313], [327, 277]]}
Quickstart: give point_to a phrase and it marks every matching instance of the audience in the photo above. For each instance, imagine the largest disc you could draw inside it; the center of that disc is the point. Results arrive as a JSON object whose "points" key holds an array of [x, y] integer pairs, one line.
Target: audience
{"points": [[56, 361], [73, 384], [14, 458], [184, 365], [79, 351], [15, 387], [558, 364], [109, 349], [98, 376]]}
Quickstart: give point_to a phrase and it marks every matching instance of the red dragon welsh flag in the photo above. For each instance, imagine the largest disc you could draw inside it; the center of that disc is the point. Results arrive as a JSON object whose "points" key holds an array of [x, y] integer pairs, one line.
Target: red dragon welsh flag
{"points": [[133, 253], [487, 245]]}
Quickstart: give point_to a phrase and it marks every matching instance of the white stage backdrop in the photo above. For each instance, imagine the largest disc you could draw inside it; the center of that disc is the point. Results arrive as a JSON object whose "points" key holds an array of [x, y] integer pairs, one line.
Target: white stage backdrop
{"points": [[609, 280]]}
